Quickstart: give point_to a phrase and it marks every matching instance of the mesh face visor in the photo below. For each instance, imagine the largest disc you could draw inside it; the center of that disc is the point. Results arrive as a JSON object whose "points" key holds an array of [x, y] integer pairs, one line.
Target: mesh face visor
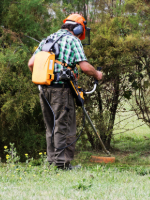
{"points": [[86, 41]]}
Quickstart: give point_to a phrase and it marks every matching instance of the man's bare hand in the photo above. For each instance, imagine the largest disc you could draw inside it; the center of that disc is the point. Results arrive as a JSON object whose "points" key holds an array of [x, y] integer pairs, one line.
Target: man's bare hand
{"points": [[99, 75], [88, 69], [31, 63]]}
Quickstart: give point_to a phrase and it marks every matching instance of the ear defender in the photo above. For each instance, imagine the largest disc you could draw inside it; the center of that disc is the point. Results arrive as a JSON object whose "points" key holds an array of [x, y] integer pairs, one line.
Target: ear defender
{"points": [[82, 24], [78, 30]]}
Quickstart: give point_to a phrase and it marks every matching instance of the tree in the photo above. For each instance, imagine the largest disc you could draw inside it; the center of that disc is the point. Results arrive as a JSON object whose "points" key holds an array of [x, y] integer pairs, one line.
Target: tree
{"points": [[78, 6], [23, 23], [119, 43], [119, 46], [140, 78]]}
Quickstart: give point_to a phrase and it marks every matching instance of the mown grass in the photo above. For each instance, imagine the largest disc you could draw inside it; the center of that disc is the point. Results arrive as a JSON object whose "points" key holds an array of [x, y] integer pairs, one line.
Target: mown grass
{"points": [[97, 182], [126, 179], [113, 181]]}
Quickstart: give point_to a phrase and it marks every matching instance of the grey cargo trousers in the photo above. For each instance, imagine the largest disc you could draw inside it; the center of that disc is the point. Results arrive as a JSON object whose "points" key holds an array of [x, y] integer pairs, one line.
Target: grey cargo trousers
{"points": [[62, 103]]}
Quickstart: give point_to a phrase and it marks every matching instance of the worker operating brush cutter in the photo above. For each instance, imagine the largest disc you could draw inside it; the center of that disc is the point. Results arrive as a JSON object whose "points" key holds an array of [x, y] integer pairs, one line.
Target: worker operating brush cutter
{"points": [[53, 67]]}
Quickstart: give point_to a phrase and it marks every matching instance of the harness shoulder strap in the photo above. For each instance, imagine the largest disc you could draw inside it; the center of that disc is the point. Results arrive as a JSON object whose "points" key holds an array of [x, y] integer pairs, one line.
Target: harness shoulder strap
{"points": [[61, 63], [49, 45]]}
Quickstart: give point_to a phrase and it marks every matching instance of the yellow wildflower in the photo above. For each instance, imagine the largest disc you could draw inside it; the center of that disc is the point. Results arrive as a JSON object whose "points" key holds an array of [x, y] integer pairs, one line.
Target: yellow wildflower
{"points": [[44, 153], [29, 165], [26, 155], [7, 156], [5, 147], [58, 174], [40, 153], [20, 178]]}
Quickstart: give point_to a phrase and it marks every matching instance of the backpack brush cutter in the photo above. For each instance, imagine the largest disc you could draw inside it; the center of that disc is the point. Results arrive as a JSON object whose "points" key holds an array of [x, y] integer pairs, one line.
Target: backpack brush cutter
{"points": [[78, 93]]}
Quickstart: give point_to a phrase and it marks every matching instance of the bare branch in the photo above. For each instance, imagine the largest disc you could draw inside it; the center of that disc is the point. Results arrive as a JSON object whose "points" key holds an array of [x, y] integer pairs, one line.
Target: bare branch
{"points": [[129, 129], [125, 119], [32, 38]]}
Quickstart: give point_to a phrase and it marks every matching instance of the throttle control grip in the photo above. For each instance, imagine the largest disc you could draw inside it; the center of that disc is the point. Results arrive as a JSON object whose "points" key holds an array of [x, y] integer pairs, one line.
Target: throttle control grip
{"points": [[98, 69]]}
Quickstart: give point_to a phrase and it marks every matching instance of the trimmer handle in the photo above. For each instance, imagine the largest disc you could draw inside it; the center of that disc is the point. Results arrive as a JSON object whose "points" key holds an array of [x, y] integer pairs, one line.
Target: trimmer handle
{"points": [[96, 81], [99, 68]]}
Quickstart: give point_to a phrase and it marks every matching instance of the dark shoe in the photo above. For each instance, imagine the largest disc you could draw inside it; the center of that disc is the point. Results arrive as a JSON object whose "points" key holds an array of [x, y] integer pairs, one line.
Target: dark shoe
{"points": [[63, 167], [69, 167]]}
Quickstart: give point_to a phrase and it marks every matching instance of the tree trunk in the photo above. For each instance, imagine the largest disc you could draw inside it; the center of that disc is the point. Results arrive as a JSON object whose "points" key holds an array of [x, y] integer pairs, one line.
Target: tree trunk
{"points": [[113, 110], [84, 9]]}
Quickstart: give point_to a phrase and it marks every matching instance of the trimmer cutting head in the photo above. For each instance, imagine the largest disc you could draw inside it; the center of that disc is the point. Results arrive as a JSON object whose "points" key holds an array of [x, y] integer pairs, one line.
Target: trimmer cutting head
{"points": [[99, 159]]}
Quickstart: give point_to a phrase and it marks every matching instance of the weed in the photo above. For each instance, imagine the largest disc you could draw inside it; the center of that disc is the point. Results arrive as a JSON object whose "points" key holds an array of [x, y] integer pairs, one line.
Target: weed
{"points": [[97, 181], [82, 185], [142, 171], [11, 156]]}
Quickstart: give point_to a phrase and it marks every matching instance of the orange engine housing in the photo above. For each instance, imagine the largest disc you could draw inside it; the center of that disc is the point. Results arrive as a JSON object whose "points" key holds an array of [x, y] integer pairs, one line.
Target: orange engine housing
{"points": [[43, 69]]}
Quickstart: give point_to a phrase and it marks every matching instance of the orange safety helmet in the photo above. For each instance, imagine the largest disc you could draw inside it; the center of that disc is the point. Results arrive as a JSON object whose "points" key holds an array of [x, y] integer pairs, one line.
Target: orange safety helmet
{"points": [[78, 19]]}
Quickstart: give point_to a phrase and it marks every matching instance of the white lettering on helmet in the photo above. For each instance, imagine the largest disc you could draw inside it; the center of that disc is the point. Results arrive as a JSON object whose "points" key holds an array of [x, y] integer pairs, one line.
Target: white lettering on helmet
{"points": [[70, 22]]}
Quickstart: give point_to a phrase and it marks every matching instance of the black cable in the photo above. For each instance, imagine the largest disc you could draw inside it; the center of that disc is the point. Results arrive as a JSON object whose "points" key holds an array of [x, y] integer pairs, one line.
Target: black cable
{"points": [[54, 124]]}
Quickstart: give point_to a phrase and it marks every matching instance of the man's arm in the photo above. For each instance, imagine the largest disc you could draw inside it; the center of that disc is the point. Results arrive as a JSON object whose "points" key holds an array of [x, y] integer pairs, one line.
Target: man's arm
{"points": [[31, 63], [90, 70]]}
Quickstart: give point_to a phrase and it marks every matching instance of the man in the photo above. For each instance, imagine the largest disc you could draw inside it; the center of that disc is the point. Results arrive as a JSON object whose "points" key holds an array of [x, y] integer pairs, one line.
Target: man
{"points": [[59, 94]]}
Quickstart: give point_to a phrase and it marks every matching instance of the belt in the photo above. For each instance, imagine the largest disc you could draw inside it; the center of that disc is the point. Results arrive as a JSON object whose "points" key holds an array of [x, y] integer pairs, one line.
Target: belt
{"points": [[58, 85]]}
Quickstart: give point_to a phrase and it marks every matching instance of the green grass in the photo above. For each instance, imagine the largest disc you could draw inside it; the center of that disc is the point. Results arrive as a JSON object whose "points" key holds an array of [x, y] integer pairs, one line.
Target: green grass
{"points": [[126, 179], [113, 181], [131, 139], [131, 134], [96, 182]]}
